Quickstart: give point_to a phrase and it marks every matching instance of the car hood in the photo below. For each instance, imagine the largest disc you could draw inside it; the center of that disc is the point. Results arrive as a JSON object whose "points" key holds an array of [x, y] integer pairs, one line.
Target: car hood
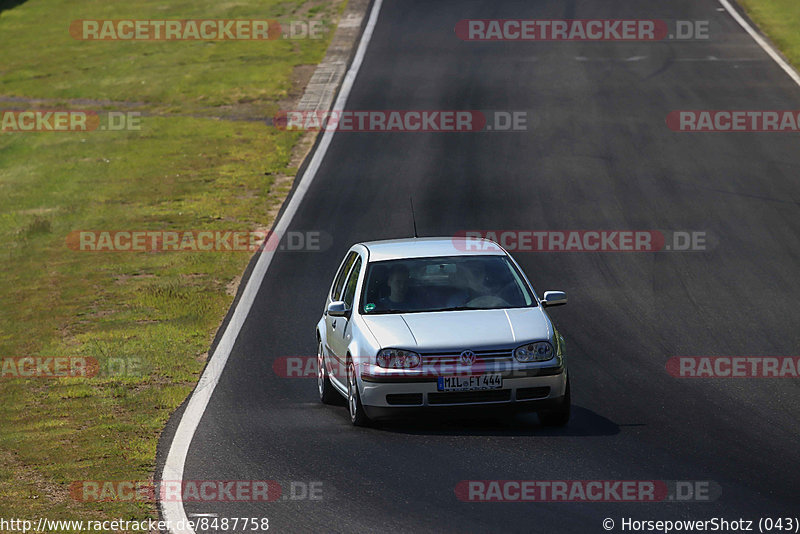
{"points": [[468, 329]]}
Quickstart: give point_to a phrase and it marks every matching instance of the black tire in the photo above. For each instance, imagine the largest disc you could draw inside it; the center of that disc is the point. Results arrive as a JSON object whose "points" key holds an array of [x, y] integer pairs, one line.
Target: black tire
{"points": [[327, 394], [357, 414], [558, 416]]}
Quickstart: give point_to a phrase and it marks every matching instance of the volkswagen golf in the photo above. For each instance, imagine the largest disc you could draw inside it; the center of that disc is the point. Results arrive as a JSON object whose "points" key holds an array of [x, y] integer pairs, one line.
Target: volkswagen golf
{"points": [[428, 323]]}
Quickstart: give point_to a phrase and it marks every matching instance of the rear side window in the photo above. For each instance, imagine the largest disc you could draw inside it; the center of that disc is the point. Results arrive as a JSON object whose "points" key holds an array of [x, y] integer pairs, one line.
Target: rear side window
{"points": [[352, 281], [341, 276]]}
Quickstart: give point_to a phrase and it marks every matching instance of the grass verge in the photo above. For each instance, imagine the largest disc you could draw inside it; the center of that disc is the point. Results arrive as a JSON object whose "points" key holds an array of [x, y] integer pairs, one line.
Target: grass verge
{"points": [[780, 21], [202, 159]]}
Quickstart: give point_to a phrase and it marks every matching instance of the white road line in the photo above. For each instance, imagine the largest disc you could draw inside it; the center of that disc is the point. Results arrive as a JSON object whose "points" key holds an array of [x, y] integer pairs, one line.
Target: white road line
{"points": [[761, 41], [173, 511]]}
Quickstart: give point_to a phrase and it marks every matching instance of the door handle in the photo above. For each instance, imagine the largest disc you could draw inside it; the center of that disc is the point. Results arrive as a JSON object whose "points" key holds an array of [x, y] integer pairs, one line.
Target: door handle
{"points": [[334, 324]]}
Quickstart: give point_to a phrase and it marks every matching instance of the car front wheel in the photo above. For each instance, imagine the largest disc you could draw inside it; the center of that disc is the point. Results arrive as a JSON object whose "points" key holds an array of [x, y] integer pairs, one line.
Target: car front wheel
{"points": [[327, 394], [357, 414]]}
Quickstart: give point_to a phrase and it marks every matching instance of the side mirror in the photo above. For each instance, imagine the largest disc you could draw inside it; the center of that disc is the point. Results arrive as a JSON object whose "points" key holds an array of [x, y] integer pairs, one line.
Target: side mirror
{"points": [[337, 308], [554, 298]]}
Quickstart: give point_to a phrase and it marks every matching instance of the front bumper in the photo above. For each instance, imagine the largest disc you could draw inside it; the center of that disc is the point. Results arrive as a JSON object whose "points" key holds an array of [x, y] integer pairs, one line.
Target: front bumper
{"points": [[524, 387]]}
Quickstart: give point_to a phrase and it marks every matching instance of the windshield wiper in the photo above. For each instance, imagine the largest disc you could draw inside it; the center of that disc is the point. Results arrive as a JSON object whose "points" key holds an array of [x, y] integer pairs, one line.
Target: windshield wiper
{"points": [[454, 308]]}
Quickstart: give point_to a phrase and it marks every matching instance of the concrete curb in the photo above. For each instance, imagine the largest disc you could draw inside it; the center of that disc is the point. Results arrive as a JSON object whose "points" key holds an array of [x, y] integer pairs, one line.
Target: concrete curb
{"points": [[324, 84]]}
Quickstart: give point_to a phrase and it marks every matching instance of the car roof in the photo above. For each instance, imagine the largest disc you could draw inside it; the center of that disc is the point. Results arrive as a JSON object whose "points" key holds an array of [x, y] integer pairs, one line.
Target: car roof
{"points": [[427, 247]]}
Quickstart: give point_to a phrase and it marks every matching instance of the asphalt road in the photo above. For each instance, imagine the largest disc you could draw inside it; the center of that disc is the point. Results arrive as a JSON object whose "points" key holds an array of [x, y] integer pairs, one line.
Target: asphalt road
{"points": [[597, 155]]}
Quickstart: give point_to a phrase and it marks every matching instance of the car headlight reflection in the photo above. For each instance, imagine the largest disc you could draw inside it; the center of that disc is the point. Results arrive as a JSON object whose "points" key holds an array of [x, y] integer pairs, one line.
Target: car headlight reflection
{"points": [[398, 359], [540, 351]]}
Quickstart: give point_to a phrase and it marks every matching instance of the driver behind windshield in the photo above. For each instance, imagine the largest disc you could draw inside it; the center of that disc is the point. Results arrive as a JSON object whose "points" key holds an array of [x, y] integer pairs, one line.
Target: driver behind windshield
{"points": [[398, 295]]}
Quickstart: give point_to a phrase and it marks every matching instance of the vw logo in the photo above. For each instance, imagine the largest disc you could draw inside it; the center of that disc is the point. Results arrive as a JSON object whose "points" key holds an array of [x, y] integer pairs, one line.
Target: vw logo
{"points": [[467, 357]]}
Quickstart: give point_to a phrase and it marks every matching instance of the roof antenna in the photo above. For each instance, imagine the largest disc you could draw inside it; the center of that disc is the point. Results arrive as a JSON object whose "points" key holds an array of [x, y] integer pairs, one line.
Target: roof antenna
{"points": [[413, 218]]}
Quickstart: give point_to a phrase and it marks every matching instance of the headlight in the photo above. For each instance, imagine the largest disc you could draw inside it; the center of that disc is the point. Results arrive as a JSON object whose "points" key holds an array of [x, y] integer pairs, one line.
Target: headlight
{"points": [[540, 351], [397, 359]]}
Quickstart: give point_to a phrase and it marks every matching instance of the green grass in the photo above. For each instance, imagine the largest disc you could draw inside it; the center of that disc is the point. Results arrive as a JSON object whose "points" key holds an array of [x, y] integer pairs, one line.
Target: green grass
{"points": [[188, 167], [780, 20], [40, 59]]}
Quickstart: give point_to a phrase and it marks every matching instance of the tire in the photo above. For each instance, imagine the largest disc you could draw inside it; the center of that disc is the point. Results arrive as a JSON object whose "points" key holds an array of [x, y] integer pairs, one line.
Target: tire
{"points": [[327, 394], [558, 416], [357, 414]]}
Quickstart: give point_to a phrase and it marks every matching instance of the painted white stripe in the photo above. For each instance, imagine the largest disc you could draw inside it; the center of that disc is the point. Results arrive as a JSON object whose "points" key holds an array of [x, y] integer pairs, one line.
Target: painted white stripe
{"points": [[173, 511], [763, 43]]}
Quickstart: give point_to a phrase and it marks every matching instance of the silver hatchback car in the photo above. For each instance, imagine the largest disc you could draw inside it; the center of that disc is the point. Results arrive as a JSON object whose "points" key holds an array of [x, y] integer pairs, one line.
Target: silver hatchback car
{"points": [[425, 323]]}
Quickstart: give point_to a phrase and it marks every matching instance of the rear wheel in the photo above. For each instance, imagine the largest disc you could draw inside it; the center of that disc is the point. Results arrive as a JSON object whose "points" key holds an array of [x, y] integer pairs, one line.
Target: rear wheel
{"points": [[558, 416], [357, 414], [327, 394]]}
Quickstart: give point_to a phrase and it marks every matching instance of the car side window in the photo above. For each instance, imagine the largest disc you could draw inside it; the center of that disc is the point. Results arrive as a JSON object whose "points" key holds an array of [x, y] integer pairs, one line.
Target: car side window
{"points": [[352, 281], [342, 275]]}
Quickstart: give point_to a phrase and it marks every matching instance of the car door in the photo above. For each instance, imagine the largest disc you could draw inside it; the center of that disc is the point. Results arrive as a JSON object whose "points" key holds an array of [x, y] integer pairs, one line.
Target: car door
{"points": [[331, 323], [342, 326]]}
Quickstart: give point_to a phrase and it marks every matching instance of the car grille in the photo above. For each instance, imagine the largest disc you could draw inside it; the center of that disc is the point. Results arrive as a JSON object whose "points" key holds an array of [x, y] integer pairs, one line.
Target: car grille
{"points": [[408, 399], [464, 397], [453, 358], [533, 393]]}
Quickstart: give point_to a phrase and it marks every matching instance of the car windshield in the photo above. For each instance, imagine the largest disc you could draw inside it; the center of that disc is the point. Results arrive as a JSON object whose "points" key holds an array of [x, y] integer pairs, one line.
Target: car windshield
{"points": [[442, 284]]}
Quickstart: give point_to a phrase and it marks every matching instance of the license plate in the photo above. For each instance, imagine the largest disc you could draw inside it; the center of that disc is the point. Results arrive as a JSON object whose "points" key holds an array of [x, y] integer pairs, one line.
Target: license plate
{"points": [[470, 383]]}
